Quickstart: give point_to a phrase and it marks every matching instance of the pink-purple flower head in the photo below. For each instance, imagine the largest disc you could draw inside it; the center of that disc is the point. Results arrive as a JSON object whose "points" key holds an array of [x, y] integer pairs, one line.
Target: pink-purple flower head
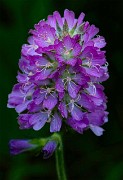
{"points": [[62, 68]]}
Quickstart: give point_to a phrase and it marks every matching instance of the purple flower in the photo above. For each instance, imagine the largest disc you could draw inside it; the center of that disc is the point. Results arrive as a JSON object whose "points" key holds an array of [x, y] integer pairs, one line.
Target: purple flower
{"points": [[18, 146], [68, 51], [62, 67], [49, 148]]}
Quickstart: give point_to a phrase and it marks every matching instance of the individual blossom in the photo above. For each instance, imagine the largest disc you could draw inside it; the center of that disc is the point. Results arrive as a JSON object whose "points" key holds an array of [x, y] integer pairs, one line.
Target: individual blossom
{"points": [[61, 70], [18, 146], [49, 148]]}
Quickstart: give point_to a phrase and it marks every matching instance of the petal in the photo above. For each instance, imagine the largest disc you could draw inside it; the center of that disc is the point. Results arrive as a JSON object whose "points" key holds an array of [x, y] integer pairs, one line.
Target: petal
{"points": [[51, 21], [50, 102], [59, 85], [68, 42], [32, 107], [96, 118], [71, 61], [61, 95], [80, 19], [98, 131], [41, 75], [96, 101], [86, 102], [94, 71], [39, 96], [99, 42], [38, 120], [69, 16], [81, 79], [48, 149], [22, 78], [18, 146], [76, 112], [77, 49], [73, 89], [78, 126], [55, 124], [21, 107], [62, 108], [23, 121], [92, 31], [58, 18]]}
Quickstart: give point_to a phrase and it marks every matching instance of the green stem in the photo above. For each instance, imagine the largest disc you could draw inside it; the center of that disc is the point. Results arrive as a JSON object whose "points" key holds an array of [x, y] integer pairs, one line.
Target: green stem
{"points": [[60, 160]]}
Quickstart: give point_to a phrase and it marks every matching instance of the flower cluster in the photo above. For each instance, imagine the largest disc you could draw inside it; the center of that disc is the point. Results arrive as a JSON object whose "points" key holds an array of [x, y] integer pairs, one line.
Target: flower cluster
{"points": [[62, 68]]}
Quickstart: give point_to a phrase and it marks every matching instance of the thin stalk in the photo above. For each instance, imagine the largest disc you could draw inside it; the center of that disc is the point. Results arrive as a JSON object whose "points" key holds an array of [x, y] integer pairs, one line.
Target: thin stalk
{"points": [[60, 160]]}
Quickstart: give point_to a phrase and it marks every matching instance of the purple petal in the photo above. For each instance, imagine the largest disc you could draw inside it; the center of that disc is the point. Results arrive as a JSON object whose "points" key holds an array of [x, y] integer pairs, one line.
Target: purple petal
{"points": [[21, 107], [94, 71], [69, 16], [50, 102], [85, 102], [61, 95], [59, 85], [92, 31], [80, 19], [32, 107], [39, 96], [22, 78], [38, 120], [76, 112], [98, 131], [55, 124], [78, 126], [23, 121], [81, 79], [76, 50], [58, 18], [62, 108], [99, 42], [73, 89], [51, 21], [68, 42], [49, 148], [41, 75], [18, 146], [71, 61], [96, 118]]}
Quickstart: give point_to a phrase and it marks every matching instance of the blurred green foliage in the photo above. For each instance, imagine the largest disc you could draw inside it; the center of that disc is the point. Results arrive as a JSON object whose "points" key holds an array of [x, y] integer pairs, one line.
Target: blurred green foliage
{"points": [[87, 157]]}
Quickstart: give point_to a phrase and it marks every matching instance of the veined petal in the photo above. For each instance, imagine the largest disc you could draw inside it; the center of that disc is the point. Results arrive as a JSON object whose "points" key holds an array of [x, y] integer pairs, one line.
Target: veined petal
{"points": [[68, 42], [58, 18], [21, 107], [78, 126], [59, 85], [69, 16], [76, 50], [41, 75], [76, 112], [80, 19], [85, 102], [63, 110], [50, 102], [71, 61], [55, 124], [73, 89], [38, 120]]}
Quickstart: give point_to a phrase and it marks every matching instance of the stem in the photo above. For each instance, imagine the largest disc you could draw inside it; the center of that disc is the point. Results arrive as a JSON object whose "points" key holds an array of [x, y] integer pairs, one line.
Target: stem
{"points": [[60, 160]]}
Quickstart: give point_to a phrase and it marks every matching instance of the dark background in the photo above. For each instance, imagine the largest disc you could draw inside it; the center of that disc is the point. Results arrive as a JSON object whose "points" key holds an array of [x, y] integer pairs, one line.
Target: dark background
{"points": [[87, 157]]}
